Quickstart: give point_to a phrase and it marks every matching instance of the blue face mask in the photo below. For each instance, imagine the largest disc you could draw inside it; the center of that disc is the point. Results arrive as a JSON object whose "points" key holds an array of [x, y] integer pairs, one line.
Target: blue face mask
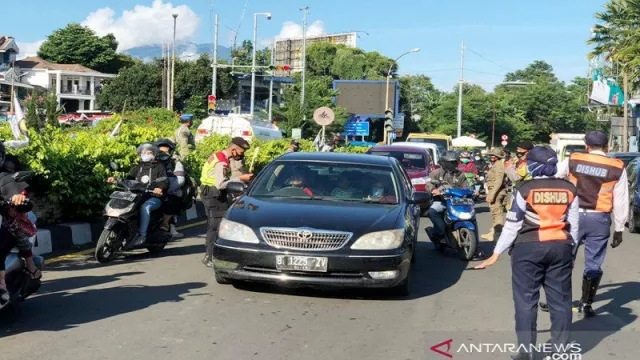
{"points": [[377, 192], [465, 161]]}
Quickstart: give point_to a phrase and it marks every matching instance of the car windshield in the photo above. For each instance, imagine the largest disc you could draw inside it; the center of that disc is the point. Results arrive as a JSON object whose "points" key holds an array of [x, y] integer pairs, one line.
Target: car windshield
{"points": [[409, 160], [442, 144], [575, 148], [327, 181]]}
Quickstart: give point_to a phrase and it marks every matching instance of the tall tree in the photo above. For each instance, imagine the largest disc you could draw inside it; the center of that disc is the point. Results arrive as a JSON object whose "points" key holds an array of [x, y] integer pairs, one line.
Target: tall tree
{"points": [[139, 86], [77, 44]]}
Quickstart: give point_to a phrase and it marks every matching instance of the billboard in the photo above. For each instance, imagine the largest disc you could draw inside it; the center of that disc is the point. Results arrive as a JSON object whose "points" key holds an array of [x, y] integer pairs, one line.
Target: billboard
{"points": [[605, 90], [289, 51], [366, 97]]}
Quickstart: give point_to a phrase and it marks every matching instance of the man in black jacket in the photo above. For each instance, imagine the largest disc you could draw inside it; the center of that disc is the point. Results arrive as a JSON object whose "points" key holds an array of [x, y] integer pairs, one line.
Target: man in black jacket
{"points": [[151, 172]]}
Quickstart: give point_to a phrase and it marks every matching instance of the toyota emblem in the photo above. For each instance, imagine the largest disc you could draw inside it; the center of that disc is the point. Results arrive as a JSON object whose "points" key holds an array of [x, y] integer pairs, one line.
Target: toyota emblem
{"points": [[305, 235]]}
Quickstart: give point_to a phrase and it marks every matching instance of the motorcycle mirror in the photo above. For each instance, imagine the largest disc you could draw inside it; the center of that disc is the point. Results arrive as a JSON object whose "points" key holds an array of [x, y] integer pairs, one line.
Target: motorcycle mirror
{"points": [[21, 176], [113, 165]]}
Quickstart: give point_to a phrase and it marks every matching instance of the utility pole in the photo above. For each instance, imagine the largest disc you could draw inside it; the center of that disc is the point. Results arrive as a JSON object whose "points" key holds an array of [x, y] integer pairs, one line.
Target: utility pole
{"points": [[13, 76], [460, 82], [305, 10], [214, 79], [625, 128], [273, 58], [173, 62], [168, 62], [164, 77]]}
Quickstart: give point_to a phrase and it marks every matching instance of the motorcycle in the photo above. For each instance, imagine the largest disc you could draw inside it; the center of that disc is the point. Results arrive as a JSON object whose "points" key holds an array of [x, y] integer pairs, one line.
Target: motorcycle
{"points": [[19, 283], [123, 214], [461, 227]]}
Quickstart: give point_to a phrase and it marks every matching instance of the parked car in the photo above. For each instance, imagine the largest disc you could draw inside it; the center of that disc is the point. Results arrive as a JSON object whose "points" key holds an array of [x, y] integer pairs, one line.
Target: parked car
{"points": [[633, 170], [433, 149], [415, 160], [313, 218], [626, 157]]}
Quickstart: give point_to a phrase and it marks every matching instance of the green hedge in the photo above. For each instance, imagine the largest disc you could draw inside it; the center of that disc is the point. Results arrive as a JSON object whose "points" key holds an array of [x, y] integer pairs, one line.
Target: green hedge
{"points": [[75, 161]]}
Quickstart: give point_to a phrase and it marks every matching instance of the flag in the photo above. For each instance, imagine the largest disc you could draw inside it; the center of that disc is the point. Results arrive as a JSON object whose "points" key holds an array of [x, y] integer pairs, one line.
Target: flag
{"points": [[18, 115]]}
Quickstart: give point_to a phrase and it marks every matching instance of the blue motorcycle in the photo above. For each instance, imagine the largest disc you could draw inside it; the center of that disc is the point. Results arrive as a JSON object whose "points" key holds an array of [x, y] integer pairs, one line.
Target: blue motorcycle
{"points": [[461, 227]]}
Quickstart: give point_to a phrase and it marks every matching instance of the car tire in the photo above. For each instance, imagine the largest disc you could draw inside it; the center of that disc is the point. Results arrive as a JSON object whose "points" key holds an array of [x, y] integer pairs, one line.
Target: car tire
{"points": [[404, 288], [221, 279], [633, 221]]}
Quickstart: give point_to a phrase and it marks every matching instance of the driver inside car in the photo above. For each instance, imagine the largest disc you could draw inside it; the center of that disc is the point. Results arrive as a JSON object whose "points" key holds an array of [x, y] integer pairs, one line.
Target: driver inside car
{"points": [[299, 180], [448, 176], [148, 171]]}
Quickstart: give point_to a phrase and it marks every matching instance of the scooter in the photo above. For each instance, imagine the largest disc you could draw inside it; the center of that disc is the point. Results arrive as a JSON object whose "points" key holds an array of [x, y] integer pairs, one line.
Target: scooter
{"points": [[123, 214], [461, 227], [19, 282]]}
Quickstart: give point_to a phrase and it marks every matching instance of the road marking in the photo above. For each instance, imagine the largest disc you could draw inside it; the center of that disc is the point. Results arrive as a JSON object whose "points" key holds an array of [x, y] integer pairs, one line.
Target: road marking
{"points": [[89, 251]]}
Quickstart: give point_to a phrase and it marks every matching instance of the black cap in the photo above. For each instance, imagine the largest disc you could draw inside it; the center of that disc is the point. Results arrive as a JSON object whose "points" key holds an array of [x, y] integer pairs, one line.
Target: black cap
{"points": [[238, 141], [542, 155], [295, 142], [596, 138], [527, 145]]}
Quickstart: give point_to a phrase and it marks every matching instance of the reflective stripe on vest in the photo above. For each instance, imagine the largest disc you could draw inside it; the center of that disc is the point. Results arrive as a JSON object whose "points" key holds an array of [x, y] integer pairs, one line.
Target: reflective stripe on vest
{"points": [[547, 206], [207, 177], [595, 176]]}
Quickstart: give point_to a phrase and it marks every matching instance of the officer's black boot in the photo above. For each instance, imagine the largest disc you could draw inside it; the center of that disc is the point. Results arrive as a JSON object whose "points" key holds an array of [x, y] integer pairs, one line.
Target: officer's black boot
{"points": [[207, 260], [589, 289]]}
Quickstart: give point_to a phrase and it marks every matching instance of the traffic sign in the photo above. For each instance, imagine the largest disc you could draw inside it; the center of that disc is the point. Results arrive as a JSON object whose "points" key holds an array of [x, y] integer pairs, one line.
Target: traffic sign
{"points": [[323, 116], [505, 137], [504, 143], [296, 133], [353, 128]]}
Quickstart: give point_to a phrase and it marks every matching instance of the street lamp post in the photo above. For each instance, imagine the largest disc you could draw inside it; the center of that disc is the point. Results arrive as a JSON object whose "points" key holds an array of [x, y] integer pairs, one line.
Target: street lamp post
{"points": [[305, 10], [173, 61], [386, 100], [253, 59]]}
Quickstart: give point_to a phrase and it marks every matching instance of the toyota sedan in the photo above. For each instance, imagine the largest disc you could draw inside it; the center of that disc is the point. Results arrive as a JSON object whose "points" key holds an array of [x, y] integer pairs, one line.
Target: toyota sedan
{"points": [[322, 219]]}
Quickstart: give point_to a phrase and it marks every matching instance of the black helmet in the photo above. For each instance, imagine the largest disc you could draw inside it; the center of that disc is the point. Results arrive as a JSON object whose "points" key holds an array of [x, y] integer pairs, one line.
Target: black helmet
{"points": [[165, 142], [449, 161]]}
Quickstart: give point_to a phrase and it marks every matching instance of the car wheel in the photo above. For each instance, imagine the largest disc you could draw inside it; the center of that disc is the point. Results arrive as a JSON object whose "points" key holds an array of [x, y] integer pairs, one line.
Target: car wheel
{"points": [[633, 221], [221, 279], [404, 289]]}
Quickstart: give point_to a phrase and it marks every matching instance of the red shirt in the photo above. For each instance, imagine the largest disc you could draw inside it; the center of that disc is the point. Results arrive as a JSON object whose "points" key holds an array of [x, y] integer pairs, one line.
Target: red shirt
{"points": [[469, 167]]}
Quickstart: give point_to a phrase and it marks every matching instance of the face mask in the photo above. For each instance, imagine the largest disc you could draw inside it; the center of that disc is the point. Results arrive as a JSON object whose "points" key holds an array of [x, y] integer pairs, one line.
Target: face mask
{"points": [[377, 192], [146, 157], [465, 161], [164, 156], [477, 158]]}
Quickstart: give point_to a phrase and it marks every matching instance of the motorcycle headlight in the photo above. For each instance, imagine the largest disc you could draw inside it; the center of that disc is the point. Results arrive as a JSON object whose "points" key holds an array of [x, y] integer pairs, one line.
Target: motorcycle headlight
{"points": [[113, 212], [233, 231], [463, 215], [380, 240]]}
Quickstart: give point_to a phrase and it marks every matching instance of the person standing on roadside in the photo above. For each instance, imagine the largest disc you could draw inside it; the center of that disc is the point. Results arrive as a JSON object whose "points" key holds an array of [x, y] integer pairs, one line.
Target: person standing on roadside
{"points": [[216, 174], [602, 188], [496, 192], [184, 137], [541, 230], [518, 171]]}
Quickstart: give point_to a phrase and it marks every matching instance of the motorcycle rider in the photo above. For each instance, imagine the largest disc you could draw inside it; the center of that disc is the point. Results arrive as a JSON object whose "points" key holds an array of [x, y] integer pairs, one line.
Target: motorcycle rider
{"points": [[148, 171], [496, 192], [467, 167], [449, 177], [481, 163], [176, 176]]}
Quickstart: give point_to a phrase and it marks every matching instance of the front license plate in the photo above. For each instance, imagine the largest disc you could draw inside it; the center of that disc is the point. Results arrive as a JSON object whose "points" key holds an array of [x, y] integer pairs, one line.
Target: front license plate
{"points": [[301, 263]]}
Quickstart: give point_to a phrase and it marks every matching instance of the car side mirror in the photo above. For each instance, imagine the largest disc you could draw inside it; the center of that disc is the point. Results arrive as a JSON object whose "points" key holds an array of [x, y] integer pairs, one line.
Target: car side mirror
{"points": [[236, 187], [22, 176], [420, 197]]}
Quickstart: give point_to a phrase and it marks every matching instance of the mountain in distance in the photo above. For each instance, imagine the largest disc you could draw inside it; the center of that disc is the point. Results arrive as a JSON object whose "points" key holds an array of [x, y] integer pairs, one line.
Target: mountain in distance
{"points": [[188, 51]]}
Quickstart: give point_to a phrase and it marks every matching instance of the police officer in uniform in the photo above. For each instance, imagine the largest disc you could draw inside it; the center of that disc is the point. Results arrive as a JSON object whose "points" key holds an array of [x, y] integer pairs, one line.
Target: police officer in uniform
{"points": [[216, 174], [496, 192], [184, 137], [602, 188], [542, 229]]}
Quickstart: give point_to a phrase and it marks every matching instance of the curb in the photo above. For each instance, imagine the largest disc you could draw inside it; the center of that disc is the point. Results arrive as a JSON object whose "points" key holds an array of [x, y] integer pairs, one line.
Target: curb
{"points": [[66, 236]]}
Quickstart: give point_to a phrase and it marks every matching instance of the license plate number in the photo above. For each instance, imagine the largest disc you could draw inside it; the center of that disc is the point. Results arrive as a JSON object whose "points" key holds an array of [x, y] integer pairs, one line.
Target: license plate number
{"points": [[301, 263], [121, 195]]}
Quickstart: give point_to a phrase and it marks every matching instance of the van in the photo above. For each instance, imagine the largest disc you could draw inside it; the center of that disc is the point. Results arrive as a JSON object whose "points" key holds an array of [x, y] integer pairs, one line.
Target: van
{"points": [[443, 142], [241, 125]]}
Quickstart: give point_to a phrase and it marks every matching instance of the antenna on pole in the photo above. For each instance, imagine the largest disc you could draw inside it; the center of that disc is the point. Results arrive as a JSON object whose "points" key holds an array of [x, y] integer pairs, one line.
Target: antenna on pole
{"points": [[235, 35]]}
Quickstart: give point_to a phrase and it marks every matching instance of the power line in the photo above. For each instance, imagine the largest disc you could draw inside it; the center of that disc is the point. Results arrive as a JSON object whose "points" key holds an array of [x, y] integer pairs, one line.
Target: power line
{"points": [[485, 58]]}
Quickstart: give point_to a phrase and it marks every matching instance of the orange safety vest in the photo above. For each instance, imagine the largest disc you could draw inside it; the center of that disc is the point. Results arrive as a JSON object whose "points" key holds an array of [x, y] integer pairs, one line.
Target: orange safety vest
{"points": [[595, 176]]}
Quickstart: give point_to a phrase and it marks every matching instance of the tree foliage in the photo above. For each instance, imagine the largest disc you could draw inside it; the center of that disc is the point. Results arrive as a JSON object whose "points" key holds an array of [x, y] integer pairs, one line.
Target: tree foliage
{"points": [[77, 44]]}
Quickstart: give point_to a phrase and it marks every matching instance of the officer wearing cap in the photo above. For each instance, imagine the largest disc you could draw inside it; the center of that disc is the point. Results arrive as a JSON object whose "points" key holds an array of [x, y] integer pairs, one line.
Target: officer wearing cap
{"points": [[216, 174], [184, 137], [496, 192], [541, 229], [294, 146], [602, 187]]}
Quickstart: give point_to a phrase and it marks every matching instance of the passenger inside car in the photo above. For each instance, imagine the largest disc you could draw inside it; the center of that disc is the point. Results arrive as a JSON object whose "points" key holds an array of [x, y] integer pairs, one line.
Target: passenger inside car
{"points": [[379, 192], [345, 188]]}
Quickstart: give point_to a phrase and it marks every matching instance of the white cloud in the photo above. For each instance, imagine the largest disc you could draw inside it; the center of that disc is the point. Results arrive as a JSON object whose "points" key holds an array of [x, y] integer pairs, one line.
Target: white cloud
{"points": [[28, 48], [145, 25], [291, 29]]}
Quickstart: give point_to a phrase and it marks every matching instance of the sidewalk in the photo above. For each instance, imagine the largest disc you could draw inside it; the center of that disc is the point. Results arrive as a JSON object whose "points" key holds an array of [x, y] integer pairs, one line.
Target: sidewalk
{"points": [[66, 236]]}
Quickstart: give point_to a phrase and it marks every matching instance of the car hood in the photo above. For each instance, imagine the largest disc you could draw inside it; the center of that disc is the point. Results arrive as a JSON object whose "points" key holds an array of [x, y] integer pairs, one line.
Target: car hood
{"points": [[358, 218]]}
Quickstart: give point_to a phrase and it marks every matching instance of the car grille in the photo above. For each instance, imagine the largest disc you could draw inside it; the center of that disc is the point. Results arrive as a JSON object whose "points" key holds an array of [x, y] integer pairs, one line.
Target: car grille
{"points": [[305, 239]]}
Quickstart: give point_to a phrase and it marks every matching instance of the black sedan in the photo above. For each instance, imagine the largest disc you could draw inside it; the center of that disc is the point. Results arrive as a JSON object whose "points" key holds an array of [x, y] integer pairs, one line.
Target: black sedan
{"points": [[322, 219]]}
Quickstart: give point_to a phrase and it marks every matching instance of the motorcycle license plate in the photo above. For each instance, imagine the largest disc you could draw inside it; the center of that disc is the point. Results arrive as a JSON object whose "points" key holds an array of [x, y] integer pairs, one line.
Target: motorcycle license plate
{"points": [[301, 263], [121, 195]]}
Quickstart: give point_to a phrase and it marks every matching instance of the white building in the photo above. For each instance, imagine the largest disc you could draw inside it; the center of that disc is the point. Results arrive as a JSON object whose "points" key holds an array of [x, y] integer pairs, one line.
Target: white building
{"points": [[75, 85]]}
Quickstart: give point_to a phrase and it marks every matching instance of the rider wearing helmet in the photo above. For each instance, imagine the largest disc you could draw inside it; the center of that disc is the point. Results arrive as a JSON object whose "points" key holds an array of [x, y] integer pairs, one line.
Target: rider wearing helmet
{"points": [[467, 166], [176, 176], [152, 172], [447, 176]]}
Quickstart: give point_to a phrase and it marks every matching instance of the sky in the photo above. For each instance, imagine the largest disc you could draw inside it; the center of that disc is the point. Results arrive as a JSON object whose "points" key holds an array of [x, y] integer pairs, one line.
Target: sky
{"points": [[499, 35]]}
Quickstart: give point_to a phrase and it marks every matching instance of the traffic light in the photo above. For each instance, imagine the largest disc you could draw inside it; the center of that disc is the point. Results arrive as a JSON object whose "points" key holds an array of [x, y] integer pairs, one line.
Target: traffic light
{"points": [[388, 122], [212, 103], [283, 68]]}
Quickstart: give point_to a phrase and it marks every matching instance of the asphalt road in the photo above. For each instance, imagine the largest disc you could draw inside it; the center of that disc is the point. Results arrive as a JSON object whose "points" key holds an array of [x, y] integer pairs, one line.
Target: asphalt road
{"points": [[168, 306]]}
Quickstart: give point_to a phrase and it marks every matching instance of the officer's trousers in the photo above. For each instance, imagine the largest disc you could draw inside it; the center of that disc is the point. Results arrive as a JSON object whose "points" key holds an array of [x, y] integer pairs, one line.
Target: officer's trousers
{"points": [[215, 209], [548, 264], [594, 233]]}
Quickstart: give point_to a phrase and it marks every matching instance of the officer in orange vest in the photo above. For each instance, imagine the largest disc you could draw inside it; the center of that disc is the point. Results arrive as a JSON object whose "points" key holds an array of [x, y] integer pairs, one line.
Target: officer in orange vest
{"points": [[602, 188], [216, 174], [541, 229]]}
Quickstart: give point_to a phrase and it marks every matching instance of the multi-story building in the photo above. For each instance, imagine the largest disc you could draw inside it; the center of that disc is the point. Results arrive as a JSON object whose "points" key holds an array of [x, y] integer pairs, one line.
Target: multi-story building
{"points": [[289, 51], [9, 78], [75, 85]]}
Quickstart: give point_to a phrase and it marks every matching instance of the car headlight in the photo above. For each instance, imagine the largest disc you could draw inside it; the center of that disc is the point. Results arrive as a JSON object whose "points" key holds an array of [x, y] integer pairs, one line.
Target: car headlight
{"points": [[380, 240], [419, 181], [233, 231]]}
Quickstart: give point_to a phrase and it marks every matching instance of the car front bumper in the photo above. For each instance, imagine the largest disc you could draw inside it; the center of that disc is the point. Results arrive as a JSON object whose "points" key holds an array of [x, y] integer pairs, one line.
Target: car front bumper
{"points": [[239, 262]]}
